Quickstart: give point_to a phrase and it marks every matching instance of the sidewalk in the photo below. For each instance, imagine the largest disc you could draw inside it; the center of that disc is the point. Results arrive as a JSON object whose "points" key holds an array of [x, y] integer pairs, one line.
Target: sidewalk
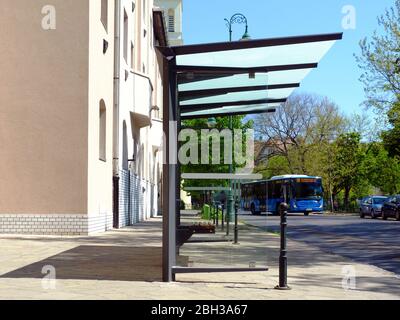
{"points": [[126, 264]]}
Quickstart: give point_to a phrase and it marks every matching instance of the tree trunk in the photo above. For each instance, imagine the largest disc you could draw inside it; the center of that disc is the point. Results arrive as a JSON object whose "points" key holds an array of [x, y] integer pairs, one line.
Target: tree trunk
{"points": [[346, 198]]}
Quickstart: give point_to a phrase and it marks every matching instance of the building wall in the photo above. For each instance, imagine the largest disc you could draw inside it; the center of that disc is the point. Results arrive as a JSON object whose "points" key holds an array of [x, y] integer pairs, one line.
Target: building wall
{"points": [[139, 87], [101, 87], [55, 178], [43, 108]]}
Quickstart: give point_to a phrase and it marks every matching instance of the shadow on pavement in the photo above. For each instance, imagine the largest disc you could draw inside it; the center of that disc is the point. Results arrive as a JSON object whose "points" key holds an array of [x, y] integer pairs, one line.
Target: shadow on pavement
{"points": [[113, 263]]}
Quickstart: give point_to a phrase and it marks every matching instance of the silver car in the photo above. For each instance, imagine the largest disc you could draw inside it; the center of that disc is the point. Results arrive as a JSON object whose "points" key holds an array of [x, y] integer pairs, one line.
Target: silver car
{"points": [[372, 206]]}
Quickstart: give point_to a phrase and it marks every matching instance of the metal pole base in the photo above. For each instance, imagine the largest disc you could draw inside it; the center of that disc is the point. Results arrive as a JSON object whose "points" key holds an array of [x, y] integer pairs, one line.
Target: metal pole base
{"points": [[282, 288]]}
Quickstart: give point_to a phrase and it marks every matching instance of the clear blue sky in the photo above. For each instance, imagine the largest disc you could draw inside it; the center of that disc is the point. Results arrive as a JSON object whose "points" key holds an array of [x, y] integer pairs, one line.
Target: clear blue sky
{"points": [[337, 75]]}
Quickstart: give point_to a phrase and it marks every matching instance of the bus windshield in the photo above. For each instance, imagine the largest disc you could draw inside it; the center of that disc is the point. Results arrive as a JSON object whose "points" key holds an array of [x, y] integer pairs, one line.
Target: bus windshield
{"points": [[307, 190]]}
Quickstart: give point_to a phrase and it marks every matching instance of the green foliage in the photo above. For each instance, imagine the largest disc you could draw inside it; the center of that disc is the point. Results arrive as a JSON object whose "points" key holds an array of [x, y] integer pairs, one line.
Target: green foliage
{"points": [[380, 61], [348, 163], [197, 125], [276, 166], [381, 170], [391, 137]]}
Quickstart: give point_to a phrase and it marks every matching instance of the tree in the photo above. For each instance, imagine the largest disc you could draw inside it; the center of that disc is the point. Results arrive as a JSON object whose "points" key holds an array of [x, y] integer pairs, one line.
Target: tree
{"points": [[391, 137], [348, 163], [276, 166], [381, 170], [298, 130], [380, 62], [197, 125]]}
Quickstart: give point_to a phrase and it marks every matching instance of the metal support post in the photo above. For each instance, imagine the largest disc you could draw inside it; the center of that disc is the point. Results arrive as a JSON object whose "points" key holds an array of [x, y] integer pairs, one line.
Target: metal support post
{"points": [[283, 251]]}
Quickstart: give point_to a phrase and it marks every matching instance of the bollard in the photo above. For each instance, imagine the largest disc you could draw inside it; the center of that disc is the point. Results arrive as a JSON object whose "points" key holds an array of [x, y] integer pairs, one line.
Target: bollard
{"points": [[222, 218], [236, 223], [283, 208], [212, 213], [229, 212], [216, 214]]}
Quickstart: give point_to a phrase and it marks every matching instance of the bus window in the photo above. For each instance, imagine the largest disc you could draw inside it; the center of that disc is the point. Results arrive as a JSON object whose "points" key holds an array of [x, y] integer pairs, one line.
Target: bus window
{"points": [[270, 187], [277, 190], [263, 191]]}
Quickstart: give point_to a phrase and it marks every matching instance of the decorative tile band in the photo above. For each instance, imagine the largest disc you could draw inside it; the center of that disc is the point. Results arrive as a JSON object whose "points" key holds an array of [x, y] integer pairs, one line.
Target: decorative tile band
{"points": [[54, 224]]}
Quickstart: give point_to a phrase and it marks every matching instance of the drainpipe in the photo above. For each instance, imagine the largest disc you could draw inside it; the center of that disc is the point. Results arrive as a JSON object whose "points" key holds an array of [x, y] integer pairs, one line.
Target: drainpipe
{"points": [[117, 66]]}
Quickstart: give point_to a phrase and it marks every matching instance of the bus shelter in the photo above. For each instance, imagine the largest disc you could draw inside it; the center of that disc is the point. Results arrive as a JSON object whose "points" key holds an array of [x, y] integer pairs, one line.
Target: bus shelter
{"points": [[225, 79]]}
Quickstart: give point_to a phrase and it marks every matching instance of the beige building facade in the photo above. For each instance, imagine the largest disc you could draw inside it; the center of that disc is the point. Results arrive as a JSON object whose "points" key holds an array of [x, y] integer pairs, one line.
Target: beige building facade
{"points": [[80, 115]]}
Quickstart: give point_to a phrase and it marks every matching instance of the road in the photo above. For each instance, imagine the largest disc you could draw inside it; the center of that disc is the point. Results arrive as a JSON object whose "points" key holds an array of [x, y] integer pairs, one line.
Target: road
{"points": [[375, 242]]}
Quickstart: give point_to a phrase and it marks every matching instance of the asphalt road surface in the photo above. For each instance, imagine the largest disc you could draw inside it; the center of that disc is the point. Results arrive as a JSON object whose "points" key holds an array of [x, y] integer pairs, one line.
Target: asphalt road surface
{"points": [[375, 242]]}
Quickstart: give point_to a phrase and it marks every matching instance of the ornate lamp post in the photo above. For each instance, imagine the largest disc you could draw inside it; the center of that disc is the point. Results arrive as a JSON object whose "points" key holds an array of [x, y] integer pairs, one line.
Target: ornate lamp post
{"points": [[239, 19]]}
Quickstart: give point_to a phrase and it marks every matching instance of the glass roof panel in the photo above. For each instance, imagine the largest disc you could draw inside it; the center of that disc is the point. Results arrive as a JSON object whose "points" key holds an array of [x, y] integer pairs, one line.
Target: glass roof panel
{"points": [[249, 109], [241, 96], [287, 76], [239, 80], [243, 80], [256, 57]]}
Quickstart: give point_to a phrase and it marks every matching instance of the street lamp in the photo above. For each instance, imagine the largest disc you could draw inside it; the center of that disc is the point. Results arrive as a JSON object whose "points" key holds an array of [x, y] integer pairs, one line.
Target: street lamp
{"points": [[239, 19], [211, 123]]}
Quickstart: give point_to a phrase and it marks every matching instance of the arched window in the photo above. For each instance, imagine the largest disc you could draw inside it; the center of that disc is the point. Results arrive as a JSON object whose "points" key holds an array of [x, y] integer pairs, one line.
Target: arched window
{"points": [[104, 13], [102, 130], [171, 20]]}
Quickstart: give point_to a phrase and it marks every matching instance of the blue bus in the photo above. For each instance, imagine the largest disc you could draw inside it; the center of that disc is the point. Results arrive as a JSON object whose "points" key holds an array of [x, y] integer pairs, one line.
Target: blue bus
{"points": [[304, 194]]}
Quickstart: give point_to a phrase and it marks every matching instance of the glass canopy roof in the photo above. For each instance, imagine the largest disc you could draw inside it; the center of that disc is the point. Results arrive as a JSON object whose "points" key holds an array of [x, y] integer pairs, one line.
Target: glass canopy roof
{"points": [[255, 57], [244, 77]]}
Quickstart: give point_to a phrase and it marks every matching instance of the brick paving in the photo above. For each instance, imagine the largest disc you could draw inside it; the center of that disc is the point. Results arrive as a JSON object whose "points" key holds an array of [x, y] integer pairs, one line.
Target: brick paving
{"points": [[126, 264]]}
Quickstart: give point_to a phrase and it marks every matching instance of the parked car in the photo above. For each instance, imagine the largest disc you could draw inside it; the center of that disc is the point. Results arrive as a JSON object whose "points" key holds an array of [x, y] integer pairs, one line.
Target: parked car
{"points": [[372, 206], [391, 208]]}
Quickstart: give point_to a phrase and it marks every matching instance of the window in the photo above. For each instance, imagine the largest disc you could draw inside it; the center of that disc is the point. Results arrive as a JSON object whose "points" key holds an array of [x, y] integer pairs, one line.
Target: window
{"points": [[126, 25], [102, 130], [144, 9], [104, 13], [379, 200], [171, 21]]}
